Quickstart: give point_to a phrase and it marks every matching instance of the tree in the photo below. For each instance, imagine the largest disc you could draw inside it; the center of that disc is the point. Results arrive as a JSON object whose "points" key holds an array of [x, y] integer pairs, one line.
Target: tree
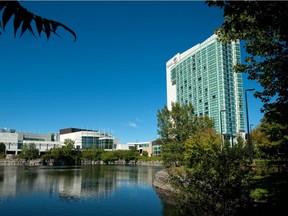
{"points": [[109, 156], [67, 154], [270, 140], [263, 26], [24, 17], [2, 147], [177, 123], [213, 175], [175, 127], [93, 154], [29, 151], [145, 154], [2, 150]]}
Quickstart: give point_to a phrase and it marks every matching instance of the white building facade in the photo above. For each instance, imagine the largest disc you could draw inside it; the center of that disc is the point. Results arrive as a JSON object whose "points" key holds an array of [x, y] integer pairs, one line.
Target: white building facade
{"points": [[14, 141], [84, 138]]}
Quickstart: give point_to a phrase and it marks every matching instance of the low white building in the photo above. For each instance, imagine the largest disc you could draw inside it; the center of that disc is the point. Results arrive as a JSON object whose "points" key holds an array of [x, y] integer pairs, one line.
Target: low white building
{"points": [[14, 140], [84, 138], [153, 148]]}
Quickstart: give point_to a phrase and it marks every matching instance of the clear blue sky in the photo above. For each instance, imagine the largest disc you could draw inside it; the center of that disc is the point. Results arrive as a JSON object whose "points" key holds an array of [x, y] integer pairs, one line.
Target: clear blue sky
{"points": [[112, 78]]}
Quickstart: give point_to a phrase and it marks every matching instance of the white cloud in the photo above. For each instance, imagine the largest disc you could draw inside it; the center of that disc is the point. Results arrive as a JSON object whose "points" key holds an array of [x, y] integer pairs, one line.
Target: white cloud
{"points": [[132, 125]]}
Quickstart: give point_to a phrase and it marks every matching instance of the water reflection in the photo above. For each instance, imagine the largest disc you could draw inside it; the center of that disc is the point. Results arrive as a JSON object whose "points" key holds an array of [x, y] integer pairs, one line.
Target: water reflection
{"points": [[70, 183]]}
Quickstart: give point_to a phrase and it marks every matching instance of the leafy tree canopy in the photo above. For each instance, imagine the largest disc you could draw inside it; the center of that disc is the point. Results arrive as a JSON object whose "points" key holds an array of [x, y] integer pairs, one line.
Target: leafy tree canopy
{"points": [[29, 151], [175, 127], [24, 17], [270, 140], [264, 28]]}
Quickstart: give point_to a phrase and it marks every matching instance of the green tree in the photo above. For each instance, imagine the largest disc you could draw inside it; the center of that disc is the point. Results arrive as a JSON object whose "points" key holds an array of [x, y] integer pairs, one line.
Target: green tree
{"points": [[129, 155], [23, 18], [270, 140], [175, 127], [2, 148], [29, 151], [93, 154], [213, 175], [110, 156], [262, 25], [68, 154], [145, 154], [177, 123]]}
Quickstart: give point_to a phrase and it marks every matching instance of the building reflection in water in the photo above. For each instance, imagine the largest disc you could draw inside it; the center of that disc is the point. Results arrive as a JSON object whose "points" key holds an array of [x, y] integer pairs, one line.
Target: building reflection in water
{"points": [[71, 183]]}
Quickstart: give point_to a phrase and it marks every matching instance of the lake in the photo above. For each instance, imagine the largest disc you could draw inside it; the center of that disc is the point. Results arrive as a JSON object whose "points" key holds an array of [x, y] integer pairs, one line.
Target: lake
{"points": [[103, 190]]}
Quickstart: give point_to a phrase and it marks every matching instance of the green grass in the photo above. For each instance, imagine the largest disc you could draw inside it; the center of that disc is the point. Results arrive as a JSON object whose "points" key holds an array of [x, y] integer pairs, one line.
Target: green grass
{"points": [[269, 189]]}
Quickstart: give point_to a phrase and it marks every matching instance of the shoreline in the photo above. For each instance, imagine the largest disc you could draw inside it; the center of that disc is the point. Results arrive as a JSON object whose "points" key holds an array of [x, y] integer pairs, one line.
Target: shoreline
{"points": [[40, 162]]}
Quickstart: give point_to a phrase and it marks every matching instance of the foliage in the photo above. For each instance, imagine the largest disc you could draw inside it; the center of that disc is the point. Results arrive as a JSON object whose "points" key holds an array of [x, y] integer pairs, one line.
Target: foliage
{"points": [[112, 156], [177, 123], [129, 155], [66, 153], [263, 26], [25, 17], [202, 145], [2, 147], [172, 154], [213, 174], [152, 158], [145, 154], [29, 151], [271, 189], [270, 140], [175, 127], [93, 154]]}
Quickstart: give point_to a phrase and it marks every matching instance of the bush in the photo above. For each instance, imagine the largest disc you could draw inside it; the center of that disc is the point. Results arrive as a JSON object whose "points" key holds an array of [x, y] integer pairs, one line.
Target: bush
{"points": [[2, 155], [29, 151], [2, 148]]}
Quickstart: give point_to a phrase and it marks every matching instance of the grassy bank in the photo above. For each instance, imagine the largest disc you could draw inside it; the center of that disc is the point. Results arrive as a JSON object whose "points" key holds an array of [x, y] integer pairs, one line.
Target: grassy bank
{"points": [[269, 188]]}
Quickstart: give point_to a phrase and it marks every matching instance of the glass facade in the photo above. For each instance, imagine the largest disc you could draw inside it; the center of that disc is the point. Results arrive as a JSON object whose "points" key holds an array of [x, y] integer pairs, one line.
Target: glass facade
{"points": [[91, 141], [205, 78], [156, 150]]}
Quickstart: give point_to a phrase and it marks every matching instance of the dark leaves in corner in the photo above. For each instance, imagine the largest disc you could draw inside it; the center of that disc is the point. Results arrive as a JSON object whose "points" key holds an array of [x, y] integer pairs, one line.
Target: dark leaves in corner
{"points": [[23, 17]]}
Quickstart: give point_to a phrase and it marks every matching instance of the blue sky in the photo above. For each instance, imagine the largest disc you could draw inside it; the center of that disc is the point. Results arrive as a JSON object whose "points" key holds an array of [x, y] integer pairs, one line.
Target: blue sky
{"points": [[112, 78]]}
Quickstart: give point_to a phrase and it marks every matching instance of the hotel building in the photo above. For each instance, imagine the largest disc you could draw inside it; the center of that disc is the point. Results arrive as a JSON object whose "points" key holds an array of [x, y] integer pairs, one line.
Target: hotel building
{"points": [[204, 76]]}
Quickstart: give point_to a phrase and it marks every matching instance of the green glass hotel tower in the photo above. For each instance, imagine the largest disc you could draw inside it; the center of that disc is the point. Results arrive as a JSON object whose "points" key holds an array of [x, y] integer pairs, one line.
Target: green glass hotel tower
{"points": [[204, 76]]}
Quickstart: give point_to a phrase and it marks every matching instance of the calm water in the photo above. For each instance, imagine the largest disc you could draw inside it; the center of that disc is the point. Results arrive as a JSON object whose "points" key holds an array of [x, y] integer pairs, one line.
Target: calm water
{"points": [[85, 190]]}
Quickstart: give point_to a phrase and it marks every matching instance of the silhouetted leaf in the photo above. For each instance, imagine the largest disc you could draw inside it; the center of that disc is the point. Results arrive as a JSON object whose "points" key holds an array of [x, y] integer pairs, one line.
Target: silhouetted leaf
{"points": [[24, 17], [47, 28], [17, 21], [39, 24], [27, 18], [68, 29], [3, 4], [9, 10], [54, 26]]}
